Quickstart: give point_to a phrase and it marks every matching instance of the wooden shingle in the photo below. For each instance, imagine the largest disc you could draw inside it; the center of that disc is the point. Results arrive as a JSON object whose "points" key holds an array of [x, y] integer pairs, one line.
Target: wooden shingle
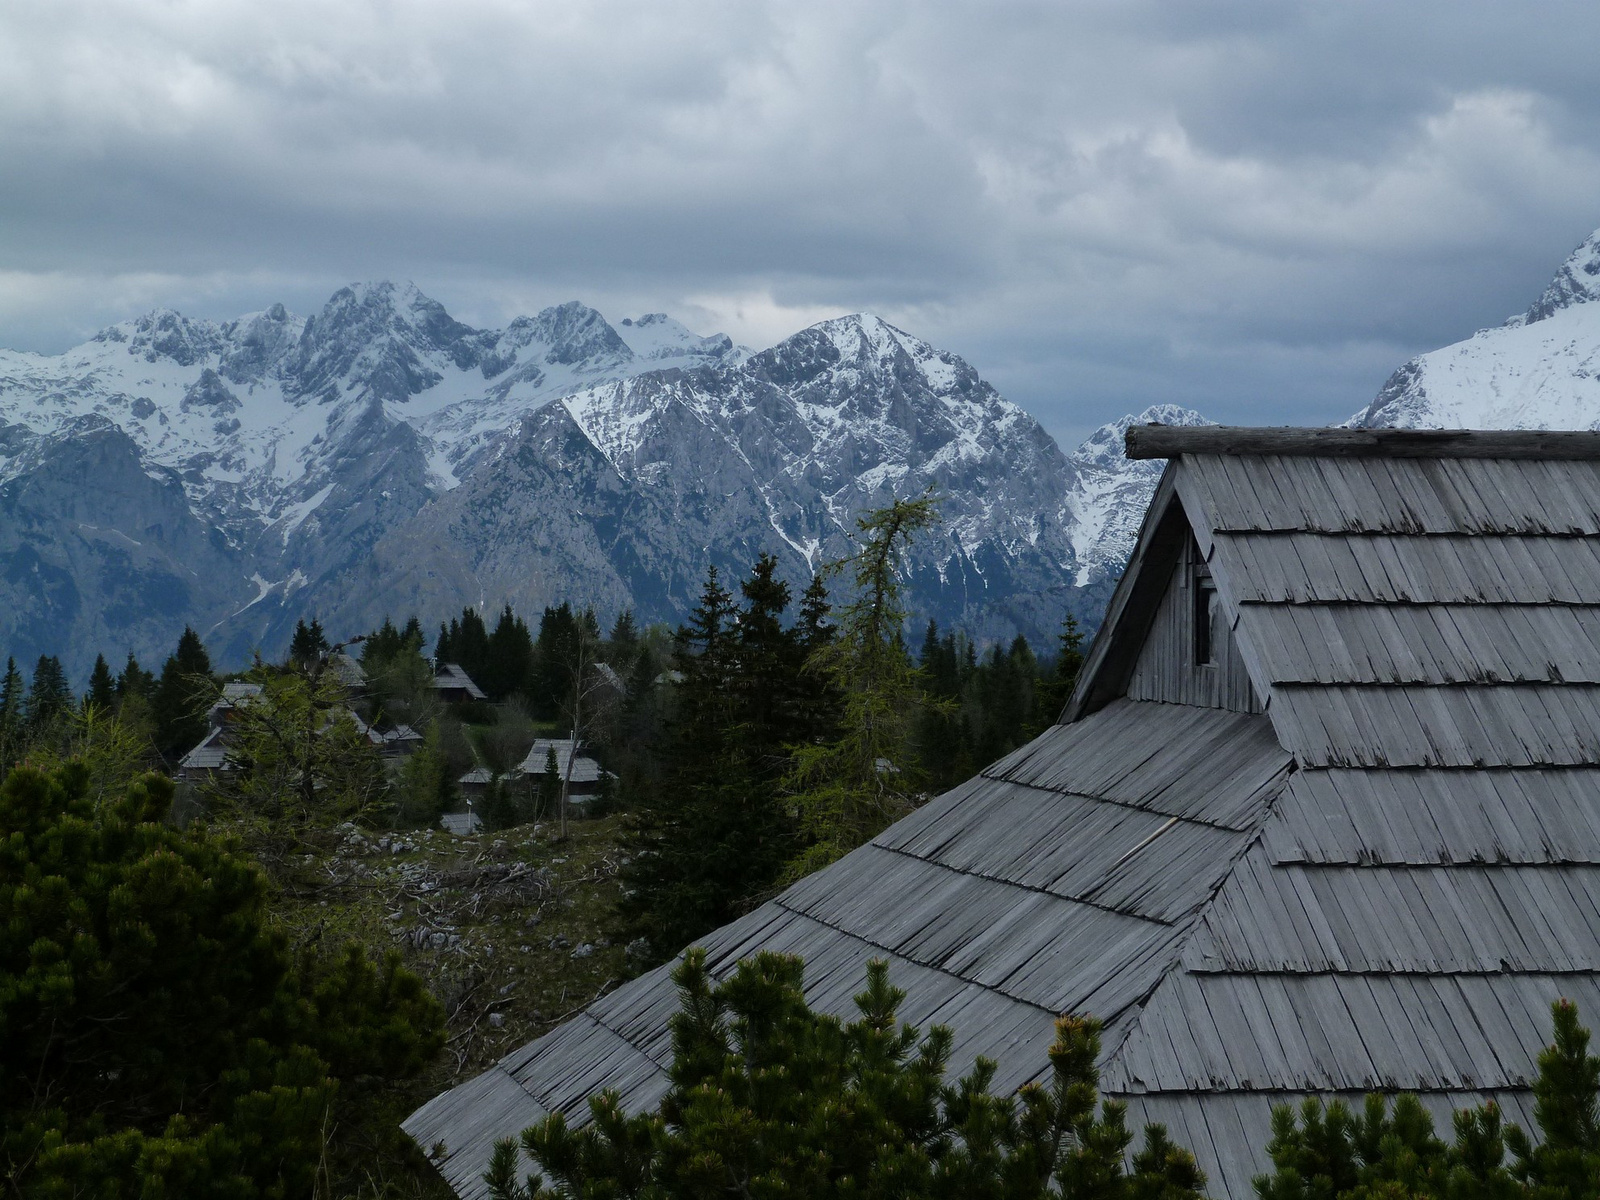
{"points": [[1371, 864]]}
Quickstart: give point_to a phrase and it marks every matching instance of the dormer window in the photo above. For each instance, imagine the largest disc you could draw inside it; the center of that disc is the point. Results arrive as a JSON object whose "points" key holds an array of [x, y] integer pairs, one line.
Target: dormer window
{"points": [[1204, 592]]}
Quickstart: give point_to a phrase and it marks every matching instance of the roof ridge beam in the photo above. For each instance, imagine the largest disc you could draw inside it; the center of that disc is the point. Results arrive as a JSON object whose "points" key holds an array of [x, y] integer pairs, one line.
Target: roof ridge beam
{"points": [[1170, 441]]}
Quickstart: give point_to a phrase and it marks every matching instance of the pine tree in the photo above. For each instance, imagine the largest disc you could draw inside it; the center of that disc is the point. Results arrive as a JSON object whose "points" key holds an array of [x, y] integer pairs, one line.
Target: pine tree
{"points": [[1566, 1095], [192, 1054], [102, 693], [182, 696], [799, 1104]]}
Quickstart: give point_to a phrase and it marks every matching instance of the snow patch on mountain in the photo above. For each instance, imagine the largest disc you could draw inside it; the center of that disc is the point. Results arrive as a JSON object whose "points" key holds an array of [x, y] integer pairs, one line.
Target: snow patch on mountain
{"points": [[1540, 370], [1112, 491]]}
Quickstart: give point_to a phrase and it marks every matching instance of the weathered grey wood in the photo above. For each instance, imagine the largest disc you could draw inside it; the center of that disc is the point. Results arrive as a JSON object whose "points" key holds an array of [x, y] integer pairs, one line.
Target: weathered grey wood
{"points": [[1441, 918], [1382, 881], [1169, 441], [1166, 669], [467, 1121], [1519, 815], [1470, 496], [1133, 605]]}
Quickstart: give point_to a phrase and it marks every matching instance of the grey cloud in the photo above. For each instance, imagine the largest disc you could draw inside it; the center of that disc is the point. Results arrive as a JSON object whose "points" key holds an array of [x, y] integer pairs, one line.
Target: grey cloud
{"points": [[1258, 208]]}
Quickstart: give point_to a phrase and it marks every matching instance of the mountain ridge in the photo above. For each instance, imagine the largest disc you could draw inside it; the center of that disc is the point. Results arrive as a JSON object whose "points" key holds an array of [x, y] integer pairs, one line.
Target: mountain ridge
{"points": [[380, 457]]}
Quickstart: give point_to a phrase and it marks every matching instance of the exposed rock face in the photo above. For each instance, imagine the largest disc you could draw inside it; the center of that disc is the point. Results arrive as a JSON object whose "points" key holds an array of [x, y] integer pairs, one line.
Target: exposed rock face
{"points": [[99, 550], [382, 458]]}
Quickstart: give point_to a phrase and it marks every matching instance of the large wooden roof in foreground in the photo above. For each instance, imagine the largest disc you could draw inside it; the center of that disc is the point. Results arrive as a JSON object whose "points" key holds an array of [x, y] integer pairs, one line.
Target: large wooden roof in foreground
{"points": [[1380, 879]]}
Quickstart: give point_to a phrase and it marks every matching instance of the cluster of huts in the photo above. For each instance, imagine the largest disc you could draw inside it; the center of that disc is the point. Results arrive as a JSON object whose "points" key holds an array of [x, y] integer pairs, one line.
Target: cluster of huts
{"points": [[451, 685], [1321, 818]]}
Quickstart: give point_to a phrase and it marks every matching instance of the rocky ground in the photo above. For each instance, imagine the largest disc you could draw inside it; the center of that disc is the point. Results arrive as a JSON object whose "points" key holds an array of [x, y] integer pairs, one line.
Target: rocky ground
{"points": [[508, 930]]}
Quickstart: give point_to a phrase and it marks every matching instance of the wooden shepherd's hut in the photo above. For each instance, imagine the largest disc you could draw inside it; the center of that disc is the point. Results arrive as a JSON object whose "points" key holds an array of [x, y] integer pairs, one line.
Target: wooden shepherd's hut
{"points": [[1323, 814]]}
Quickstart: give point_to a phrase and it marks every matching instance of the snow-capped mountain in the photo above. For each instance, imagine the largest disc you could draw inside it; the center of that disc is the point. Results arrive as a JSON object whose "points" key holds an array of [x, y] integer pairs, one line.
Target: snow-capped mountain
{"points": [[1540, 370], [381, 458]]}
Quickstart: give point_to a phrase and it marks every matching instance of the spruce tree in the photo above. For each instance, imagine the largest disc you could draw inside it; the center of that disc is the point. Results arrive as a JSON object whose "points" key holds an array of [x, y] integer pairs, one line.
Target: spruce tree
{"points": [[102, 693], [1056, 689], [469, 643], [182, 696], [549, 784], [49, 695], [510, 657], [13, 714], [308, 644], [623, 639], [134, 680], [678, 883], [381, 646], [555, 654]]}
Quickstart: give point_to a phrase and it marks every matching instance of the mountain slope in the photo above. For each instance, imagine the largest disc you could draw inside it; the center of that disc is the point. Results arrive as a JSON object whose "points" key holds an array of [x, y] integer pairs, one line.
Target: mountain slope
{"points": [[1540, 370]]}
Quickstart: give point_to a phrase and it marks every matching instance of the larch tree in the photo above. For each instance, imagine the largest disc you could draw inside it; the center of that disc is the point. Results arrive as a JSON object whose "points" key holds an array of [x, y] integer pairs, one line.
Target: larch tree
{"points": [[849, 788]]}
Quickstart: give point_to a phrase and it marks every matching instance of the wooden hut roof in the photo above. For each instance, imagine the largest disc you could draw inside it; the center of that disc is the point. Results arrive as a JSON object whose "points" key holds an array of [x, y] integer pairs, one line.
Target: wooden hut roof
{"points": [[1379, 880]]}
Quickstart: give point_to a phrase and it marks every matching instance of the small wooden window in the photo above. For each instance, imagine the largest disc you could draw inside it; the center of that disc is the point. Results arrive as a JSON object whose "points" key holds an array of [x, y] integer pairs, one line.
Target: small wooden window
{"points": [[1205, 609]]}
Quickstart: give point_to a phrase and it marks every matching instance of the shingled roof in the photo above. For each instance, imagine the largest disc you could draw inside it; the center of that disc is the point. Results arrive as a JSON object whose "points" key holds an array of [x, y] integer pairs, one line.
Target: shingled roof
{"points": [[1359, 849]]}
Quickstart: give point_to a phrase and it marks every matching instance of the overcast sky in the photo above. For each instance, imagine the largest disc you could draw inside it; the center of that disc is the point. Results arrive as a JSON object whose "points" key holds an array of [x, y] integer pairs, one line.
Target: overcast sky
{"points": [[1255, 209]]}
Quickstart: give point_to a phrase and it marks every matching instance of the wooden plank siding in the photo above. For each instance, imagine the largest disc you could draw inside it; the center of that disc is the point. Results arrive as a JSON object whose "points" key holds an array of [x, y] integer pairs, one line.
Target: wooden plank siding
{"points": [[1166, 669]]}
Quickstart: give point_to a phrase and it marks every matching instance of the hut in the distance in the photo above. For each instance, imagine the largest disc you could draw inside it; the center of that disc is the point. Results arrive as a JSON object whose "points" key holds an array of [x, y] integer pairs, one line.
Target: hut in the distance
{"points": [[1323, 815]]}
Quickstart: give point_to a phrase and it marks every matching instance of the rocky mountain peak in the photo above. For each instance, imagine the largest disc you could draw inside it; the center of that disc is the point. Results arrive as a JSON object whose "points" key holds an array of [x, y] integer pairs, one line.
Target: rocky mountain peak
{"points": [[845, 354], [1105, 447], [1577, 282], [163, 333], [569, 333]]}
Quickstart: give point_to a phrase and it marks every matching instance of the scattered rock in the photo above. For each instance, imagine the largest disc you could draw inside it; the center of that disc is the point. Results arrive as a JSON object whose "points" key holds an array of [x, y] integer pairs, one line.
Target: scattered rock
{"points": [[497, 1020], [584, 951], [559, 943]]}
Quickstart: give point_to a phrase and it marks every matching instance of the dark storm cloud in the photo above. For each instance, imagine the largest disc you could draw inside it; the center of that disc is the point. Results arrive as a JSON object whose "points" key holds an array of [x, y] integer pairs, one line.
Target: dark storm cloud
{"points": [[1255, 208]]}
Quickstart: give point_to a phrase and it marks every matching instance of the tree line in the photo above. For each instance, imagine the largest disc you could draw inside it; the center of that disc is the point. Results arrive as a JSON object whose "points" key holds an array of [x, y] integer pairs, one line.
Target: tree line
{"points": [[765, 737]]}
